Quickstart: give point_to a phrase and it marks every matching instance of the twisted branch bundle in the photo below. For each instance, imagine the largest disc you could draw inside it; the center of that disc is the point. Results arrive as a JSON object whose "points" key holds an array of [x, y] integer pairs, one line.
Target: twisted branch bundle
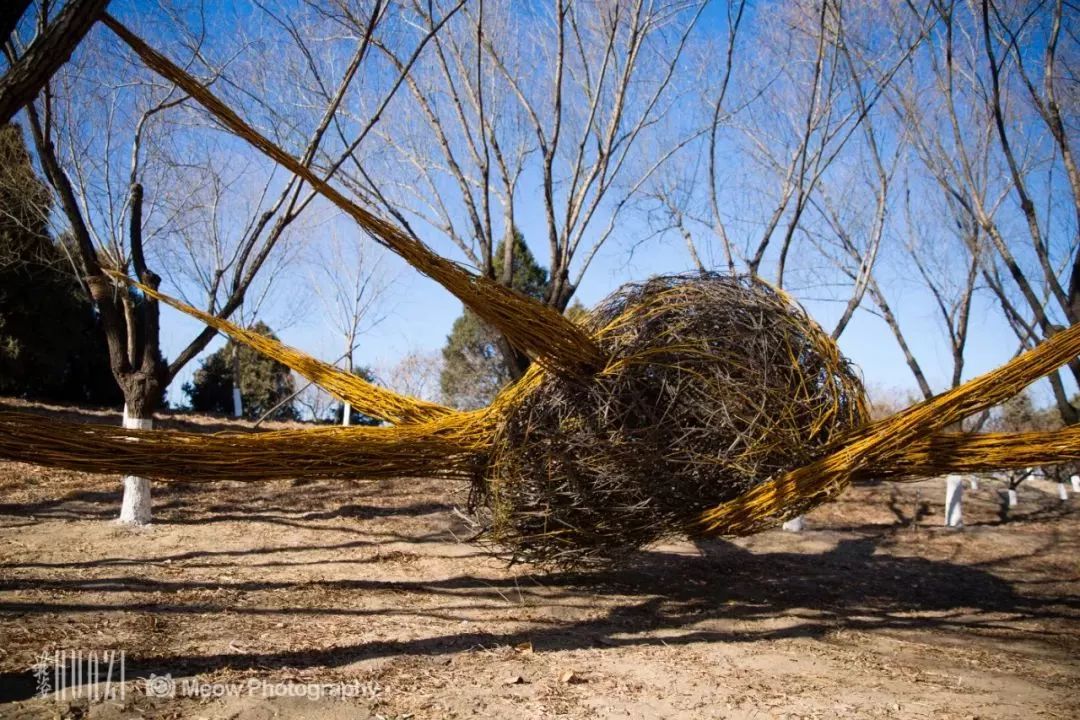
{"points": [[724, 409], [715, 383], [706, 404]]}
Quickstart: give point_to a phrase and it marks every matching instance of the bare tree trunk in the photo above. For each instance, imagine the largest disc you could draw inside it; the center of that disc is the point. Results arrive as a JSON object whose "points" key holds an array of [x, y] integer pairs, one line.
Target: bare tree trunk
{"points": [[237, 396], [142, 392], [346, 408], [135, 506]]}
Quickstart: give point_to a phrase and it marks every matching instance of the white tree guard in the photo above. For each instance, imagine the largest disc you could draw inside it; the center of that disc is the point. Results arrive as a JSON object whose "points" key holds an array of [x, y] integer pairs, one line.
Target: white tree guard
{"points": [[237, 403], [135, 507], [954, 494]]}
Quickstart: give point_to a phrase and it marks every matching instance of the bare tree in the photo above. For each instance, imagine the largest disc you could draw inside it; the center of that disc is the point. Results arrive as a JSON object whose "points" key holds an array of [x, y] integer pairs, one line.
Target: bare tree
{"points": [[992, 137], [942, 260], [100, 168], [208, 245], [415, 374], [573, 114], [351, 283], [778, 124]]}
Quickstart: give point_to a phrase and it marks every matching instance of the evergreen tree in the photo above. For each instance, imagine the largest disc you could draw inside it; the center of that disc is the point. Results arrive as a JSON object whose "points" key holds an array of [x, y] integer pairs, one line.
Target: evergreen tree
{"points": [[51, 347], [263, 382], [475, 366], [576, 312]]}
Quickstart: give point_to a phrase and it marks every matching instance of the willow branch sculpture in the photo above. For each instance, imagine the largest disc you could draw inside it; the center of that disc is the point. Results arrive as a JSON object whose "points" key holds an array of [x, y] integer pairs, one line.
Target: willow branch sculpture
{"points": [[701, 404]]}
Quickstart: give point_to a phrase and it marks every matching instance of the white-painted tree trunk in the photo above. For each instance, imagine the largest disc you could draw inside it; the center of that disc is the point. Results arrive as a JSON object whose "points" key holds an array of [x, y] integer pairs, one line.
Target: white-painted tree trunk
{"points": [[954, 494], [1014, 498], [795, 524], [346, 410], [1063, 492], [237, 398], [135, 507], [1076, 483]]}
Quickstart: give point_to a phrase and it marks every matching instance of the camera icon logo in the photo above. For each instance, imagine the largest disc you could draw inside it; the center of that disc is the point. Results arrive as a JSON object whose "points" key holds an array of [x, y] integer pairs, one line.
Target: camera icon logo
{"points": [[162, 686]]}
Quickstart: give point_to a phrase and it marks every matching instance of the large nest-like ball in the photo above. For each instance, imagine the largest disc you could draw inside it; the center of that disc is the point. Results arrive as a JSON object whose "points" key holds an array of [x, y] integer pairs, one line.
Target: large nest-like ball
{"points": [[716, 384]]}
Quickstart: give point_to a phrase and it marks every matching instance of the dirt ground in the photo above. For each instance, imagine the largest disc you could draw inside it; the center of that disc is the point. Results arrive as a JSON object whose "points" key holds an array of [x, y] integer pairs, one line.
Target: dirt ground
{"points": [[868, 613]]}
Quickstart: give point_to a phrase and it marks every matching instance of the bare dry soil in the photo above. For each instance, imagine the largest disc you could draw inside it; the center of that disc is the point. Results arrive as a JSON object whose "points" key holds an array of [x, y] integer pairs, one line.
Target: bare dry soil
{"points": [[874, 611]]}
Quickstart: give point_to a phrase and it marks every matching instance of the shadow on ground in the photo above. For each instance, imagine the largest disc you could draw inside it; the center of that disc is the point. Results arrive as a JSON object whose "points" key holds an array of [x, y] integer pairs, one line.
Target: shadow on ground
{"points": [[715, 592], [851, 586]]}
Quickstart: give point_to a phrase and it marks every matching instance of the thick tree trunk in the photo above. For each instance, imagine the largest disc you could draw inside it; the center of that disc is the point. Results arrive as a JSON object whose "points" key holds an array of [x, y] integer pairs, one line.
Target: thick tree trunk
{"points": [[141, 398], [516, 362], [135, 507]]}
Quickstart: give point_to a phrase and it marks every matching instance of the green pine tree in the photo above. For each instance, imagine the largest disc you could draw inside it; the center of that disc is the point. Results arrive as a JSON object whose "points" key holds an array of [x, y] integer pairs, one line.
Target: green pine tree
{"points": [[475, 366], [263, 382]]}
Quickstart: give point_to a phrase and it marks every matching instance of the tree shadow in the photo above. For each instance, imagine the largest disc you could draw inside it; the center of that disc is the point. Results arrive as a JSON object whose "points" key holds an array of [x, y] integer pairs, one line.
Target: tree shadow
{"points": [[180, 504], [76, 505], [167, 419], [851, 586]]}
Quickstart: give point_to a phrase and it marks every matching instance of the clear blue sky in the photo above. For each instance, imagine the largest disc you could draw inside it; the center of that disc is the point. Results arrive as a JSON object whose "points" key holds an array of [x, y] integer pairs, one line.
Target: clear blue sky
{"points": [[421, 312]]}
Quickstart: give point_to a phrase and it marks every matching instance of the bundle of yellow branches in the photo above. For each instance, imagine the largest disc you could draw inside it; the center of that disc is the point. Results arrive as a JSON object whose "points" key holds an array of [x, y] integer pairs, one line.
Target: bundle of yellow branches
{"points": [[711, 405]]}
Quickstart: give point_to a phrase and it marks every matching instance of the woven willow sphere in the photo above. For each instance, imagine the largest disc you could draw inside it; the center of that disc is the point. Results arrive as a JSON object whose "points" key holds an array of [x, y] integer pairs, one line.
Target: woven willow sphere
{"points": [[717, 383]]}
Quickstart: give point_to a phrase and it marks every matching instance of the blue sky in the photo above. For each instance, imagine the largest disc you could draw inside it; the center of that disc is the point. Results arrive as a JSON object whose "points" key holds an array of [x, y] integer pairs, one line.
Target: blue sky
{"points": [[420, 313]]}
